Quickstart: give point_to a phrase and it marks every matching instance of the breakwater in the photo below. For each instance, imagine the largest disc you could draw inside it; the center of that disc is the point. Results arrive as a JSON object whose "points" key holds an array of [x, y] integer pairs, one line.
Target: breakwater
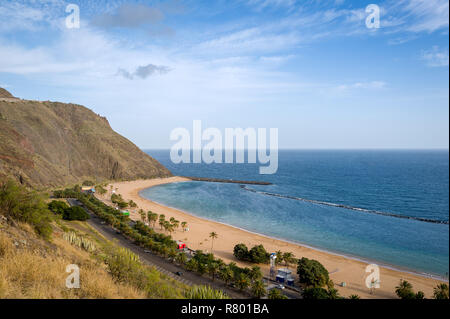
{"points": [[219, 180], [363, 210]]}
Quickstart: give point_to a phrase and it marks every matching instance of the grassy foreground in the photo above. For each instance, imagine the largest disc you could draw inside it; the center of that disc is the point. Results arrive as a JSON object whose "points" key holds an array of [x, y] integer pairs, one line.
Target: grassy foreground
{"points": [[36, 246]]}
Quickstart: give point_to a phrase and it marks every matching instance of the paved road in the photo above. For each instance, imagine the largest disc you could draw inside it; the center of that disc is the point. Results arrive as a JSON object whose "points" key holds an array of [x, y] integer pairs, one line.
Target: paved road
{"points": [[161, 264]]}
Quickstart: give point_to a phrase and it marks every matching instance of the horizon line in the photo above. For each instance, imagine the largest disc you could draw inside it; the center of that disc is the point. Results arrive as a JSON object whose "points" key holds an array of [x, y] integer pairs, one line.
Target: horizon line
{"points": [[318, 149]]}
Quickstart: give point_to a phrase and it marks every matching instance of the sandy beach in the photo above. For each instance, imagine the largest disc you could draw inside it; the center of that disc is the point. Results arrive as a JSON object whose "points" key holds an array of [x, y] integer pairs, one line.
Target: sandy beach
{"points": [[342, 269]]}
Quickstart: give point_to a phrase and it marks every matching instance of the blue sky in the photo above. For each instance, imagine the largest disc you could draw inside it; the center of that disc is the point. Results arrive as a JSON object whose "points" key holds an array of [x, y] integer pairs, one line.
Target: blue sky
{"points": [[312, 69]]}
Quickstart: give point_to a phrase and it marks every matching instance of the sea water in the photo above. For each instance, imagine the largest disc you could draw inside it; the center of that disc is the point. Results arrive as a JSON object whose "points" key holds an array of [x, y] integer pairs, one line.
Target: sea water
{"points": [[403, 183]]}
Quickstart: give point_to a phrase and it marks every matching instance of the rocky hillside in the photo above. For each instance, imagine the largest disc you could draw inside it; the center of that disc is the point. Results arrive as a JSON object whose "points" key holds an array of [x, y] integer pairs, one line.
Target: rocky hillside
{"points": [[48, 144], [5, 94]]}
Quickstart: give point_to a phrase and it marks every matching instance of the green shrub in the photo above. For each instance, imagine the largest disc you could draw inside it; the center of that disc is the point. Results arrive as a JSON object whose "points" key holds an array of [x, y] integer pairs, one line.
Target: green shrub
{"points": [[18, 203], [240, 251], [257, 254], [441, 292], [75, 213], [58, 207], [405, 291], [276, 294], [315, 293], [312, 273]]}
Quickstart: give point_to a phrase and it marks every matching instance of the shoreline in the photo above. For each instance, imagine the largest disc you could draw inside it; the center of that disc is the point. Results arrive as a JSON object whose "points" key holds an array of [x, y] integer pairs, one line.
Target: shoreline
{"points": [[343, 255], [342, 268]]}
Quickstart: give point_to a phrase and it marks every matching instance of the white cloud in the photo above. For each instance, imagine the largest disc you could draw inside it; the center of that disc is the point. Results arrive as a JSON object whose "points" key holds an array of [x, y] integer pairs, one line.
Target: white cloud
{"points": [[428, 15], [435, 57], [32, 16], [362, 85]]}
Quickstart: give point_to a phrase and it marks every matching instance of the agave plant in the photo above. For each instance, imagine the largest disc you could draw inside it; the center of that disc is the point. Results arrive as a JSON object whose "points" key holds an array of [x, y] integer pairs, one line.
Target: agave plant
{"points": [[79, 241], [129, 254], [205, 292]]}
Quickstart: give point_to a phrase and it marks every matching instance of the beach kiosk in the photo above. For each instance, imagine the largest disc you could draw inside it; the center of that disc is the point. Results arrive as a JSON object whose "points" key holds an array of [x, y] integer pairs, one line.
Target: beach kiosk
{"points": [[181, 245], [284, 276], [88, 189]]}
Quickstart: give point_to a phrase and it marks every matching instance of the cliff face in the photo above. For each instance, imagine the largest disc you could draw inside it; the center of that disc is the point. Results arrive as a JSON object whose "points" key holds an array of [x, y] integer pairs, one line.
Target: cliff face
{"points": [[49, 144]]}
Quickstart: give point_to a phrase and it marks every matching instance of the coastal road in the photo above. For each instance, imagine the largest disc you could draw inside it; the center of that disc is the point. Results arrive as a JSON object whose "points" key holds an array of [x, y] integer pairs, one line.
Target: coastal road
{"points": [[161, 264]]}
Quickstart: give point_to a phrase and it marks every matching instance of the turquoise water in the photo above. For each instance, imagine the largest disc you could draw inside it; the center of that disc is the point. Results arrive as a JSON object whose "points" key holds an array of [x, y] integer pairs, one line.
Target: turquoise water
{"points": [[403, 183]]}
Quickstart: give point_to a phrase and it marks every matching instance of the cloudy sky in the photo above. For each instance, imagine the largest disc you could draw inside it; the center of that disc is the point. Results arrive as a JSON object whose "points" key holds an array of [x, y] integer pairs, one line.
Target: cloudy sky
{"points": [[312, 69]]}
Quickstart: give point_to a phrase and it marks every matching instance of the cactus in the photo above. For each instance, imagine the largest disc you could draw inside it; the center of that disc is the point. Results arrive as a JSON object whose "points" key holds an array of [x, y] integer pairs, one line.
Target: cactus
{"points": [[204, 292], [79, 241], [129, 254]]}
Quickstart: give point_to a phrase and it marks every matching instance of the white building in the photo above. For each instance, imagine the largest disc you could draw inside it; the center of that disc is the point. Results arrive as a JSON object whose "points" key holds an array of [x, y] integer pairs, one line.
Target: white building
{"points": [[284, 275]]}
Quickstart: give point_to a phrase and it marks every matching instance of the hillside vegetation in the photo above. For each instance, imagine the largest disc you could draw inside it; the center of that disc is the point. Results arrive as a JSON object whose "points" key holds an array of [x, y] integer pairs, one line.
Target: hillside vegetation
{"points": [[36, 246], [50, 144]]}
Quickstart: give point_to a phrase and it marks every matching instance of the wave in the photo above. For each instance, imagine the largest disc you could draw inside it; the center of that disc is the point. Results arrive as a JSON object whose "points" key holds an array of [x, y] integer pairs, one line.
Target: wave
{"points": [[363, 210]]}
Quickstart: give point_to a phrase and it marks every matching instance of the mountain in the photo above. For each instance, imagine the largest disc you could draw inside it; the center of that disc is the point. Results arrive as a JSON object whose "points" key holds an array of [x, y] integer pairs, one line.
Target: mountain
{"points": [[5, 94], [50, 144]]}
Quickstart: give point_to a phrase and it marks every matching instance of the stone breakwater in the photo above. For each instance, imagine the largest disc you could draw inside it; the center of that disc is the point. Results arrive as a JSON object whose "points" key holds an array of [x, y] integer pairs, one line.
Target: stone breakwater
{"points": [[219, 180], [370, 211]]}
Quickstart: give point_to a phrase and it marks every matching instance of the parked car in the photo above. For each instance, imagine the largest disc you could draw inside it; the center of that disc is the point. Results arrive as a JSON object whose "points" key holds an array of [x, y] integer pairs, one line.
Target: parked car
{"points": [[179, 273]]}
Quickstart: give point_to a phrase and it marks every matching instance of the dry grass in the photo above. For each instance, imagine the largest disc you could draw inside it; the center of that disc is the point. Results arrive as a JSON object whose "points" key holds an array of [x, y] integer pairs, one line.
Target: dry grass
{"points": [[33, 268]]}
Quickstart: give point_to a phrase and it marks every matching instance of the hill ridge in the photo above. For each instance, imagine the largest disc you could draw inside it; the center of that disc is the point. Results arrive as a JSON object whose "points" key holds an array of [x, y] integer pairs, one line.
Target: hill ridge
{"points": [[48, 144]]}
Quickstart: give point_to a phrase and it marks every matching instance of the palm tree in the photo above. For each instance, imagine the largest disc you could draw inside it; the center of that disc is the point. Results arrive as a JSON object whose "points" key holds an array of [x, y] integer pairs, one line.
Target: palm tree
{"points": [[175, 224], [258, 289], [255, 273], [164, 251], [142, 213], [183, 225], [226, 274], [166, 225], [441, 292], [162, 219], [404, 290], [288, 258], [242, 281], [213, 235], [213, 268], [181, 258], [152, 218], [172, 254], [279, 255], [276, 294]]}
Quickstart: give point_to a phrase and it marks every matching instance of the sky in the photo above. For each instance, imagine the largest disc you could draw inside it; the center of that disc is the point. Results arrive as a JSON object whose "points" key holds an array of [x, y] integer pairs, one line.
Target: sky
{"points": [[312, 69]]}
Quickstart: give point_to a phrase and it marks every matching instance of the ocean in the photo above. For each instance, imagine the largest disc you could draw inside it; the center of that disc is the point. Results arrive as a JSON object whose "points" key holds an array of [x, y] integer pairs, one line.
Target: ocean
{"points": [[388, 207]]}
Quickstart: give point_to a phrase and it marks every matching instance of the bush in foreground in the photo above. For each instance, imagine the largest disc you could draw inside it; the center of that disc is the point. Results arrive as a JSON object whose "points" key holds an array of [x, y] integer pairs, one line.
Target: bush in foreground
{"points": [[58, 207], [204, 292], [405, 291], [441, 292], [75, 213], [18, 203], [276, 294]]}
